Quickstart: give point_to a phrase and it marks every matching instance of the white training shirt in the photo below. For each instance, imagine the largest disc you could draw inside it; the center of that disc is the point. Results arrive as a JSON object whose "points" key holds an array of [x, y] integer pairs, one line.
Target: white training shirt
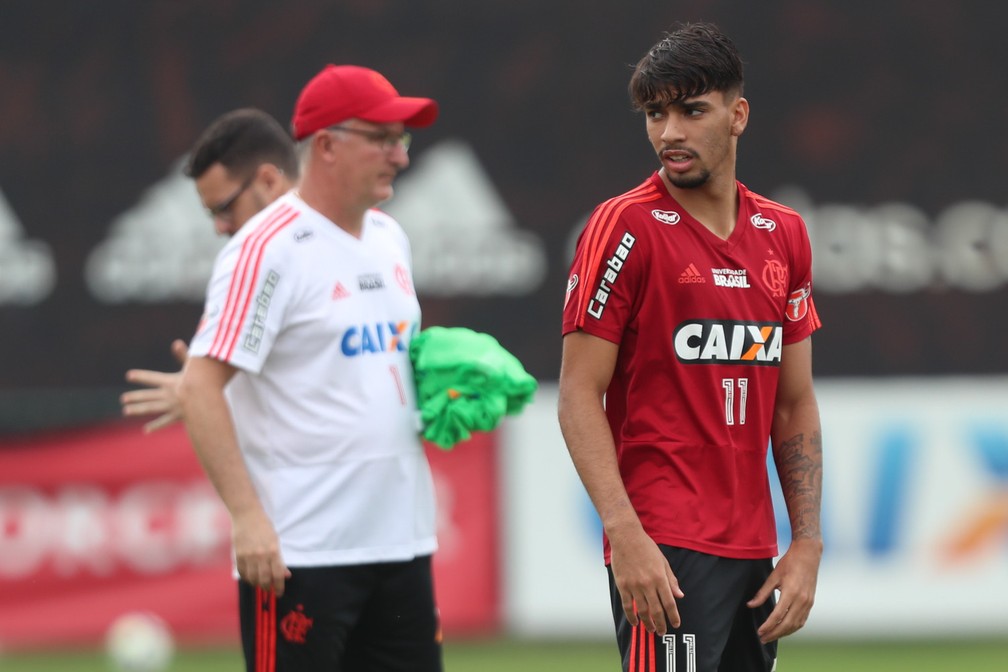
{"points": [[318, 323]]}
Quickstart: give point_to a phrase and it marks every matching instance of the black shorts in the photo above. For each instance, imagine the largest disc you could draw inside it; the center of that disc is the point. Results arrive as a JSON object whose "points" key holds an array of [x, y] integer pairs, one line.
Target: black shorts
{"points": [[378, 617], [718, 630]]}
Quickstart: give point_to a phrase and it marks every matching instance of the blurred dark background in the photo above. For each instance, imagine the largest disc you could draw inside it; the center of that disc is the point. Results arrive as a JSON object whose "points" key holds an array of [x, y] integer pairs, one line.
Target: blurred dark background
{"points": [[856, 106]]}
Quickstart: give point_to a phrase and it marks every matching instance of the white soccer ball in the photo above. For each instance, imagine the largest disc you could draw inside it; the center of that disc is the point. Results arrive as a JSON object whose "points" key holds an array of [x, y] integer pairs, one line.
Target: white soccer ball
{"points": [[139, 642]]}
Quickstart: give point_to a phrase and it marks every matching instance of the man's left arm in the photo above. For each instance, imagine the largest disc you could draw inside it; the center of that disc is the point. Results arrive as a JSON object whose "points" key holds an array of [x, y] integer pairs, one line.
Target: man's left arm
{"points": [[796, 436]]}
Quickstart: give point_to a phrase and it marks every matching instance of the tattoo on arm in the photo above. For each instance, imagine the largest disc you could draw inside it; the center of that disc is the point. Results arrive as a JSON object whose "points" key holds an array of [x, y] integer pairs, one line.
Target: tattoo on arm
{"points": [[799, 466]]}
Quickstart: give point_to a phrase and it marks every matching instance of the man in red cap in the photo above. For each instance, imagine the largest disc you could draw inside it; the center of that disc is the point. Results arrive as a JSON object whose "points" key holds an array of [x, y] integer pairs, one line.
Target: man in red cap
{"points": [[299, 398]]}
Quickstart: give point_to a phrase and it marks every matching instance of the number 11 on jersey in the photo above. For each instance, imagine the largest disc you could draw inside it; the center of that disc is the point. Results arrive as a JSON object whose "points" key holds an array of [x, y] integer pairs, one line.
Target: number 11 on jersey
{"points": [[688, 654], [736, 393]]}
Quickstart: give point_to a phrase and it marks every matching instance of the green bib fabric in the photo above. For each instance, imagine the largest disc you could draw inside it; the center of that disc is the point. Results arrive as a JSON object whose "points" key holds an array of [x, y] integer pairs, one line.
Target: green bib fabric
{"points": [[466, 381]]}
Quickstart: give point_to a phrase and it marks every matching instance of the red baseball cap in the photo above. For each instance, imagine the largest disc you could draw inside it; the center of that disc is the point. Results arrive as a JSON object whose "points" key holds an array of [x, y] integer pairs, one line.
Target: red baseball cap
{"points": [[341, 92]]}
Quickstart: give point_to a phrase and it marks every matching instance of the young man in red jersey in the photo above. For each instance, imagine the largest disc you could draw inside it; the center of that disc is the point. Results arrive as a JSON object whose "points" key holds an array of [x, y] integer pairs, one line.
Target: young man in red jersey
{"points": [[686, 351]]}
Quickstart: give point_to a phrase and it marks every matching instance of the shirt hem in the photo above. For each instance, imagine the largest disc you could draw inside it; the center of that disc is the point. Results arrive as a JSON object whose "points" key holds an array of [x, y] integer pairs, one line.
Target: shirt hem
{"points": [[359, 556], [735, 553]]}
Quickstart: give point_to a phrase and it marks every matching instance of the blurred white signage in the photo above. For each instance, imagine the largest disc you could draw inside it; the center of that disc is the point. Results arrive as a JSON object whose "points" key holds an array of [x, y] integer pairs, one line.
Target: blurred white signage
{"points": [[27, 270], [915, 515], [894, 247], [464, 239]]}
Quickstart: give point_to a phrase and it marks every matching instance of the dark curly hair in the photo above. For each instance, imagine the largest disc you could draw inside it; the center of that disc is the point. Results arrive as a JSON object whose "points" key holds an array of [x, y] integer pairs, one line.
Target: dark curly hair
{"points": [[692, 60]]}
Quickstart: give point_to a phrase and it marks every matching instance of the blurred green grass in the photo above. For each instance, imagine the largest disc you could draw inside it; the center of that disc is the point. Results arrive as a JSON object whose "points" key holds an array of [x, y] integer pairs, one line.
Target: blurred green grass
{"points": [[498, 655]]}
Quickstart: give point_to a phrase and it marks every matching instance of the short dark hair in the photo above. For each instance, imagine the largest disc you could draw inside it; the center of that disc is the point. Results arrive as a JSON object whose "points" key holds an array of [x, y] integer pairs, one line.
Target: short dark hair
{"points": [[241, 141], [692, 60]]}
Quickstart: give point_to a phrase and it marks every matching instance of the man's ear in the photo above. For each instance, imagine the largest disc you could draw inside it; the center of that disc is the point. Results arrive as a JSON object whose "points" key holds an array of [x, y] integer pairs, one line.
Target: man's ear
{"points": [[740, 116], [272, 178]]}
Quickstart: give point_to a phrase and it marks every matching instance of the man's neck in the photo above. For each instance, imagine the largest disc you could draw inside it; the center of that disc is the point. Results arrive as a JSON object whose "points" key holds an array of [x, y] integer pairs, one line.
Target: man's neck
{"points": [[715, 204], [347, 216]]}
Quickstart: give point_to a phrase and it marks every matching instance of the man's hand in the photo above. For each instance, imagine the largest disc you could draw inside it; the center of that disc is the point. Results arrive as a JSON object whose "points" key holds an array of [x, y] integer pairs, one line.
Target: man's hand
{"points": [[795, 576], [646, 583], [257, 552], [160, 398]]}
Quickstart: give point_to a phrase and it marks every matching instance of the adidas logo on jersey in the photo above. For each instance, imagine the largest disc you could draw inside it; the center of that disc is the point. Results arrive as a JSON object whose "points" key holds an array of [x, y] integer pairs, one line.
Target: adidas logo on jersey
{"points": [[339, 292], [691, 276]]}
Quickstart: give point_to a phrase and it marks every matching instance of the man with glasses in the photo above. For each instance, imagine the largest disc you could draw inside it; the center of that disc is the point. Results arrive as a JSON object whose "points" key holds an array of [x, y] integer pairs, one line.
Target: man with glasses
{"points": [[241, 163], [299, 399]]}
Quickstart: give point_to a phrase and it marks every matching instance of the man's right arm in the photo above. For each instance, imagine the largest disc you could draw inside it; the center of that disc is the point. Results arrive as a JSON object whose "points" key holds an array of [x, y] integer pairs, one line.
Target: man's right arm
{"points": [[211, 430], [646, 584]]}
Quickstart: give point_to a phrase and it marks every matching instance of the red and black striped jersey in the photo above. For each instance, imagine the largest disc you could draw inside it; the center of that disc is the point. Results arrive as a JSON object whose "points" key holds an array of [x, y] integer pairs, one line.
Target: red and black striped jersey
{"points": [[701, 323]]}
